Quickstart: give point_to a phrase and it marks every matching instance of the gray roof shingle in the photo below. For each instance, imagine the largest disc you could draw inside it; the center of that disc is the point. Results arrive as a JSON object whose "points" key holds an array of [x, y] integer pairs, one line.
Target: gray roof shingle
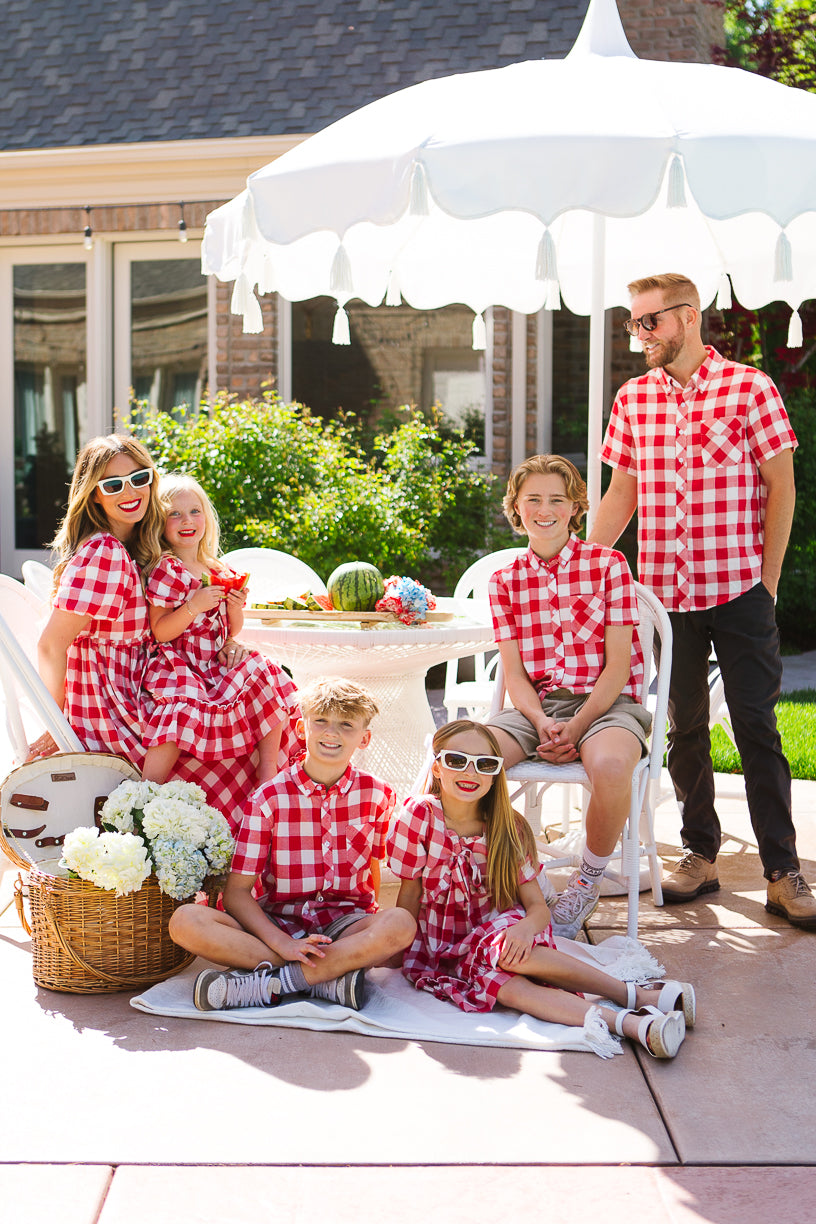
{"points": [[83, 72]]}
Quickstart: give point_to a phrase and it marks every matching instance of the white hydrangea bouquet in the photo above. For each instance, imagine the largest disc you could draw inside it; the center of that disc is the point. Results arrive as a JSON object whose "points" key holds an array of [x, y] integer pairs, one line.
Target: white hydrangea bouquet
{"points": [[147, 827]]}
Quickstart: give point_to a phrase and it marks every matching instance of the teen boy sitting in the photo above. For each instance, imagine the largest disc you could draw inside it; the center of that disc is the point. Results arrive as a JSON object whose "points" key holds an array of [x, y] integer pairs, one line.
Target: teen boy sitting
{"points": [[564, 614], [313, 843]]}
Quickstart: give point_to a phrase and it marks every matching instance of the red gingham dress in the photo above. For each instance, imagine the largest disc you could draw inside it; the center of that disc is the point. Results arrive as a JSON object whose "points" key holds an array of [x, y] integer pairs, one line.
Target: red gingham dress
{"points": [[106, 681], [106, 661], [205, 707], [459, 935]]}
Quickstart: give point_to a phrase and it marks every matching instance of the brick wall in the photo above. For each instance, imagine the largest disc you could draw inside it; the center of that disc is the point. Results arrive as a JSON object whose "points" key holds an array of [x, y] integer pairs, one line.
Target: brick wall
{"points": [[127, 219], [673, 29], [245, 364]]}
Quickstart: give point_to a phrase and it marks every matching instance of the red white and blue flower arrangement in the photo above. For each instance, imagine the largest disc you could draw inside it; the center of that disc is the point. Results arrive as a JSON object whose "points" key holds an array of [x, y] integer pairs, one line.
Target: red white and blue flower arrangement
{"points": [[409, 600]]}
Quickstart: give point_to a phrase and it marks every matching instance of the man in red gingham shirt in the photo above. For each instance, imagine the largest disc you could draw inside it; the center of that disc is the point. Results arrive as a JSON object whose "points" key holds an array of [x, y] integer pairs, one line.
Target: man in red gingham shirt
{"points": [[300, 904], [703, 448], [564, 614]]}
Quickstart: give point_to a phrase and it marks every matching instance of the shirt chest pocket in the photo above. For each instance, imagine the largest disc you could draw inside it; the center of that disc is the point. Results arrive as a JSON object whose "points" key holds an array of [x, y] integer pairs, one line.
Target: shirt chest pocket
{"points": [[587, 618], [721, 441], [357, 849]]}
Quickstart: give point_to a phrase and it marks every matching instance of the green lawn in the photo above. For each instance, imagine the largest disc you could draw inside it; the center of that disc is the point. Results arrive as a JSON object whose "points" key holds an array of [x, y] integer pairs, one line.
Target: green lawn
{"points": [[796, 715]]}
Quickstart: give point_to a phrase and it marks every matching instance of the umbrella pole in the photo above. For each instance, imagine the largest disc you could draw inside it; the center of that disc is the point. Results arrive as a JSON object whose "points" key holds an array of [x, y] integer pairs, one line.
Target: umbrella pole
{"points": [[597, 338], [597, 343]]}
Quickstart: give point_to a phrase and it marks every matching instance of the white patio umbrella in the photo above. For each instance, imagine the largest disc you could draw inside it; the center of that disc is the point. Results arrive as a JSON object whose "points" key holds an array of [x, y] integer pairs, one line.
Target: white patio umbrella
{"points": [[541, 181]]}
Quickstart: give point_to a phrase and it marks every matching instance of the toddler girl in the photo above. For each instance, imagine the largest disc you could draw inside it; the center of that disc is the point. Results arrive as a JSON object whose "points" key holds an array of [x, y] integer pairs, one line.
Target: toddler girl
{"points": [[468, 870], [213, 697]]}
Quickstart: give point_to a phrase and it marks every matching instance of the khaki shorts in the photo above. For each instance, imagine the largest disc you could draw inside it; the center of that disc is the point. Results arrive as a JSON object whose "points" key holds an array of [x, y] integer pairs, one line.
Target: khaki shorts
{"points": [[562, 705]]}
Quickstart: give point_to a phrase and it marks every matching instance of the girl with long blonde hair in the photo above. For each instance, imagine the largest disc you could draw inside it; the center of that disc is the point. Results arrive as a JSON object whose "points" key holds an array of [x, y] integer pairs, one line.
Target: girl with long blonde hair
{"points": [[469, 876], [214, 698]]}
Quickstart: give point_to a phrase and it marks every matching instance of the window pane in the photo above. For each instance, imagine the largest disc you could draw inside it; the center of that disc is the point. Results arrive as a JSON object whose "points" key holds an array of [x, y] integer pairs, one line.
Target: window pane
{"points": [[397, 356], [50, 411], [168, 320]]}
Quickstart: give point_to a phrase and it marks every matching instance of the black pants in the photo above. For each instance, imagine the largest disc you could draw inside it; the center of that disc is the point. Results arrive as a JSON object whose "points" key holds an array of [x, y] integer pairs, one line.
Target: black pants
{"points": [[746, 642]]}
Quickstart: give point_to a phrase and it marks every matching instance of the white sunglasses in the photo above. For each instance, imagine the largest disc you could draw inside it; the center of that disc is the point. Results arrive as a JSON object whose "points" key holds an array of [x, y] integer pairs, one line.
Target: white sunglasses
{"points": [[112, 486], [459, 761]]}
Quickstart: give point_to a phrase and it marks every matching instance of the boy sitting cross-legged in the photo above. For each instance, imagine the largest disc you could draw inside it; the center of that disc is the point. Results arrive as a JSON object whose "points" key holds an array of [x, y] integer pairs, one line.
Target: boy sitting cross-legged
{"points": [[565, 613], [301, 899]]}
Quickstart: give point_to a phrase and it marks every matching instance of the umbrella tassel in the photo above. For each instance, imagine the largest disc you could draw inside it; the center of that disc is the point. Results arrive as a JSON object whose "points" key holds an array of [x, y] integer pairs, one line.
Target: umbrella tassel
{"points": [[244, 302], [420, 203], [795, 331], [677, 184], [341, 281], [393, 296], [266, 281], [546, 261], [724, 293], [340, 331], [783, 259], [479, 332]]}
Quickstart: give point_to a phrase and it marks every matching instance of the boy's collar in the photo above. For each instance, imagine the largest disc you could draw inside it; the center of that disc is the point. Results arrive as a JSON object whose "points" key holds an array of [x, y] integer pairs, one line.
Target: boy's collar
{"points": [[560, 559], [310, 785]]}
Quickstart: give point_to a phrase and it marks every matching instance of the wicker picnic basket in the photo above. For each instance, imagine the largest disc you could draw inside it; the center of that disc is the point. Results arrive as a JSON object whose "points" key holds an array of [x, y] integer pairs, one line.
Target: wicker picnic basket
{"points": [[85, 940]]}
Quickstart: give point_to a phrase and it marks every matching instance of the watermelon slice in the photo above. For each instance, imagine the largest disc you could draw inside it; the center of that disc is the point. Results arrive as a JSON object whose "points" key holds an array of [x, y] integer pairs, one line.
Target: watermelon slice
{"points": [[227, 579], [324, 601]]}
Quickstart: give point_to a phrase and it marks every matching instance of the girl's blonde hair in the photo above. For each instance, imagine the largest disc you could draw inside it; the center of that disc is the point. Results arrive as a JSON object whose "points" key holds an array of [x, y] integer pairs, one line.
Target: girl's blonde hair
{"points": [[179, 482], [545, 465], [509, 838], [85, 515]]}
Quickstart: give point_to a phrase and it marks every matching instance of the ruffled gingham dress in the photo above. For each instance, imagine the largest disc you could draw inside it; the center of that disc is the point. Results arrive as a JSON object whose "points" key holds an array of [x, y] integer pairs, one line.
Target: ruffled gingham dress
{"points": [[459, 936], [104, 701], [107, 680], [204, 706]]}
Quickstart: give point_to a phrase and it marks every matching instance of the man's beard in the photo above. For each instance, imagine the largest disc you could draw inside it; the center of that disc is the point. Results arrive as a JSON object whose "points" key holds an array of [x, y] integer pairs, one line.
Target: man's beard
{"points": [[666, 352]]}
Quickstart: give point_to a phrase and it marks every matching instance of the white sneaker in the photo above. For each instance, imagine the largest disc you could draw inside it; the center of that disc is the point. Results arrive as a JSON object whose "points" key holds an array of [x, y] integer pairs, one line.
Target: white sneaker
{"points": [[574, 906]]}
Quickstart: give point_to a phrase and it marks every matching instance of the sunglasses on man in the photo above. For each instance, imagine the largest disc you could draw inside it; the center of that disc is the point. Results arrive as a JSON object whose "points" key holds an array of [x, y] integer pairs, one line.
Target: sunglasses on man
{"points": [[459, 761], [112, 486], [649, 321]]}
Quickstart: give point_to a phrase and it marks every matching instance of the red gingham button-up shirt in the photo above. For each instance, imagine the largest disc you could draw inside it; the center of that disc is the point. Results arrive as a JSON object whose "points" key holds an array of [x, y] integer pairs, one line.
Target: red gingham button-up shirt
{"points": [[311, 845], [696, 451], [557, 612]]}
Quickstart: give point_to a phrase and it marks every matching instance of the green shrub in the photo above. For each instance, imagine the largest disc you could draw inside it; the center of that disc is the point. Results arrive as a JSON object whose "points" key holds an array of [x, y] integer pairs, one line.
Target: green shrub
{"points": [[795, 602], [281, 477]]}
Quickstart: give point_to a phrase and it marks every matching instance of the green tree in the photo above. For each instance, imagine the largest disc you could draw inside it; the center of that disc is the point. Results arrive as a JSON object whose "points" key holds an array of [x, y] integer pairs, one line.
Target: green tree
{"points": [[281, 477], [775, 38]]}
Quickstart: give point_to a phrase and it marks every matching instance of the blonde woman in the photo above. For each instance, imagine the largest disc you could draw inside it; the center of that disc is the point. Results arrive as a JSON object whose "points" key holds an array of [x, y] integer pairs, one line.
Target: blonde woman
{"points": [[96, 644]]}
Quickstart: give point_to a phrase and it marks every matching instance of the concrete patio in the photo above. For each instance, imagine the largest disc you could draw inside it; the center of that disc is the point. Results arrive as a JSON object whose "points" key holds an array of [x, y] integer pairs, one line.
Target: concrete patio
{"points": [[113, 1116]]}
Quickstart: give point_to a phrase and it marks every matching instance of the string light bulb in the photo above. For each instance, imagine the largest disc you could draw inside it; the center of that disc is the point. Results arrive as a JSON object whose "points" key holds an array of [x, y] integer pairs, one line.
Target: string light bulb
{"points": [[87, 238], [182, 225]]}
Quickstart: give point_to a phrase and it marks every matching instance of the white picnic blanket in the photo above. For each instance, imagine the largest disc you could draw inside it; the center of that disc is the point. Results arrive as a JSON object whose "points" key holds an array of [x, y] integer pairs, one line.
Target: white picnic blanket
{"points": [[395, 1009]]}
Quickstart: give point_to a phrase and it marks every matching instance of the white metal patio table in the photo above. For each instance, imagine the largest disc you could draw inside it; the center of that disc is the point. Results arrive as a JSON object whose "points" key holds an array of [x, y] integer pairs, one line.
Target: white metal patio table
{"points": [[391, 661]]}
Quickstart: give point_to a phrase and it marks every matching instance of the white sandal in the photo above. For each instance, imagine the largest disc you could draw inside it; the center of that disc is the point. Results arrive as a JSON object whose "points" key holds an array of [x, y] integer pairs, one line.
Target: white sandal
{"points": [[674, 996], [660, 1034]]}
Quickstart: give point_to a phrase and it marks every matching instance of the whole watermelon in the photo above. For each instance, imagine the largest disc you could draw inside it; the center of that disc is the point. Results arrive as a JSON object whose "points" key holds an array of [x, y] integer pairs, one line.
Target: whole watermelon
{"points": [[355, 587]]}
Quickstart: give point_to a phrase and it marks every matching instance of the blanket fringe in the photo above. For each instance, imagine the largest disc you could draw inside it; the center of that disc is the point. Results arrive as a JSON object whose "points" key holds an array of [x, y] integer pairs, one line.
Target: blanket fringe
{"points": [[634, 963], [598, 1036]]}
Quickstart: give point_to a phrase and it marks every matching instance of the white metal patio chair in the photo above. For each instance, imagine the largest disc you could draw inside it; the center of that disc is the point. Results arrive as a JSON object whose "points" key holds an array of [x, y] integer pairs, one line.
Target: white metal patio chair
{"points": [[38, 579], [475, 696], [29, 707], [534, 778], [274, 575]]}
